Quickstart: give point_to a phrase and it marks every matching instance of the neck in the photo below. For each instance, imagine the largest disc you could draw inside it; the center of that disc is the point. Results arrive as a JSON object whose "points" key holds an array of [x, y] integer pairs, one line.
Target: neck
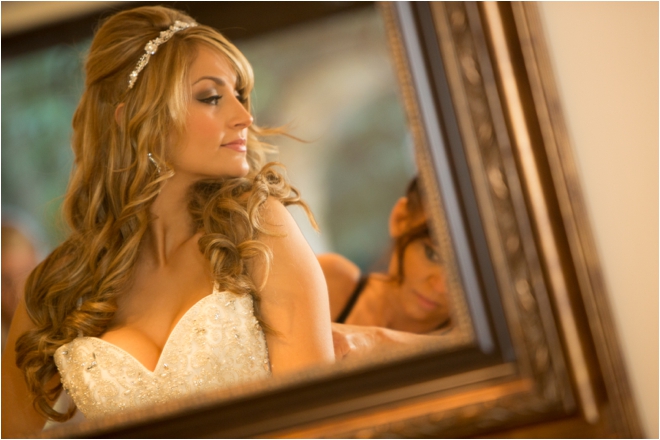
{"points": [[171, 225]]}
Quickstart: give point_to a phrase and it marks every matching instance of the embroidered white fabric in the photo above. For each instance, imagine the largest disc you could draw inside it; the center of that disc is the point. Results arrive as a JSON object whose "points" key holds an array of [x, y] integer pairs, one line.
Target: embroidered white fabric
{"points": [[216, 344]]}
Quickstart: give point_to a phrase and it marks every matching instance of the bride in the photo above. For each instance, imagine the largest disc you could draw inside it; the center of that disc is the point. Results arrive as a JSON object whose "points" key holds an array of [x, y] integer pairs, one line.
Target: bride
{"points": [[183, 270]]}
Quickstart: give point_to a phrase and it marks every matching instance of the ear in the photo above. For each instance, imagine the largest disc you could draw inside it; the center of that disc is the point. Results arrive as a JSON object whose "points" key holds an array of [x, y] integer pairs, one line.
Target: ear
{"points": [[399, 218], [119, 114]]}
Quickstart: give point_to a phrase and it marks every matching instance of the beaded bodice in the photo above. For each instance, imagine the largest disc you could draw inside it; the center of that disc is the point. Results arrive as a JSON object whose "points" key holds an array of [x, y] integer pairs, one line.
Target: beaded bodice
{"points": [[217, 343]]}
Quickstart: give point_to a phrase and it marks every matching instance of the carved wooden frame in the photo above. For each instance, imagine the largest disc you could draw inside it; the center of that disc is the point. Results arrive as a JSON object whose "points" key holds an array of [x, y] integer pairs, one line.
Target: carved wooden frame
{"points": [[494, 155]]}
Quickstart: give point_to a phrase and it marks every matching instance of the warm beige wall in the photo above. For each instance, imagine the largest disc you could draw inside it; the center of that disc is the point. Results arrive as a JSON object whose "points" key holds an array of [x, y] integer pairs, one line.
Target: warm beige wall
{"points": [[19, 16], [605, 57]]}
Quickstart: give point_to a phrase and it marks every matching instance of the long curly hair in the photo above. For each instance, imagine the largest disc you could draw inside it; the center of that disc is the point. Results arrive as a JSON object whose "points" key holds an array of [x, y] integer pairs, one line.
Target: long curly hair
{"points": [[74, 290]]}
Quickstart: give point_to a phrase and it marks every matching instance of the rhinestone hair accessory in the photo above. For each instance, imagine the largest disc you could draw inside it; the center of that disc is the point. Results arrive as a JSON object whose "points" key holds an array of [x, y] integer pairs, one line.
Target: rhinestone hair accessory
{"points": [[152, 47]]}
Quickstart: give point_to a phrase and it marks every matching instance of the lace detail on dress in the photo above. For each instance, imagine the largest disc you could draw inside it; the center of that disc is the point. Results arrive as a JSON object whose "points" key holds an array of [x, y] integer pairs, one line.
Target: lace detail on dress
{"points": [[217, 343]]}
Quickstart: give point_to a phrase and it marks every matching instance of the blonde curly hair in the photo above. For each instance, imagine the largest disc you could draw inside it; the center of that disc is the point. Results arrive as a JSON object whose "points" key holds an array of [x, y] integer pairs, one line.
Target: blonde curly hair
{"points": [[74, 290]]}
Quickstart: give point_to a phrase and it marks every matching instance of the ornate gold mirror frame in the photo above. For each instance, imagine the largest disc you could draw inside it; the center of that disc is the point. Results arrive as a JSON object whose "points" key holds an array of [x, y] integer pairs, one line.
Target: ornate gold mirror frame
{"points": [[494, 155]]}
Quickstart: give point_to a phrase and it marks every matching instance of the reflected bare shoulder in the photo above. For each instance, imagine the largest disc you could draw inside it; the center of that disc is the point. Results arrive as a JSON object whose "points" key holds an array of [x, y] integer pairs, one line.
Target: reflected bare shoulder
{"points": [[341, 275]]}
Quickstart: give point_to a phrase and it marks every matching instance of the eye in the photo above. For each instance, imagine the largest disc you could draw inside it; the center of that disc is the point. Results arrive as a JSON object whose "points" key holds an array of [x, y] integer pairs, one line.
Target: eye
{"points": [[212, 100], [431, 254]]}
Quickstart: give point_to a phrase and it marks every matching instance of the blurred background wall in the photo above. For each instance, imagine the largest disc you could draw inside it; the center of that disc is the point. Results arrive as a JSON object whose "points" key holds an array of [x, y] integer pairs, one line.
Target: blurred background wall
{"points": [[605, 59]]}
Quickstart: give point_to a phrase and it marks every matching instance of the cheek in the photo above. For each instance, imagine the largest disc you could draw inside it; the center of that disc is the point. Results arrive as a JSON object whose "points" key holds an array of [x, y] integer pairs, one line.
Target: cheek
{"points": [[414, 264], [200, 126]]}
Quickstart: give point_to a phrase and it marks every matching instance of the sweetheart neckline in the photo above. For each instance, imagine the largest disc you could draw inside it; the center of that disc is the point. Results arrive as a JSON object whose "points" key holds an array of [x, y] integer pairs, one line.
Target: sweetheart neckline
{"points": [[167, 341]]}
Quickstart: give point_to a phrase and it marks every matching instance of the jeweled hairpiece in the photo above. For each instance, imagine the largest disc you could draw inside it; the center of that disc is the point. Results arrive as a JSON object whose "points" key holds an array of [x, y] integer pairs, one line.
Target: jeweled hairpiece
{"points": [[152, 47]]}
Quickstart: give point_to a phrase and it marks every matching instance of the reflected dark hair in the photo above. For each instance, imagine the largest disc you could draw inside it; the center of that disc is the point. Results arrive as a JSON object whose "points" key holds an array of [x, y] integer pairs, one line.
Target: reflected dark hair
{"points": [[415, 210]]}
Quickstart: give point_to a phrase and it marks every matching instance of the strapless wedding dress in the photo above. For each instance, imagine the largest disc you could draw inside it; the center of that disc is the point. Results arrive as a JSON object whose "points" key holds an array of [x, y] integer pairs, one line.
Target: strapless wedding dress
{"points": [[216, 344]]}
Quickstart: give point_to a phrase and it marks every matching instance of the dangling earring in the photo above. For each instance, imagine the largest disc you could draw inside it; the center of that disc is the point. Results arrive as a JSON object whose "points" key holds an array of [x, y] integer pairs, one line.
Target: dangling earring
{"points": [[153, 161]]}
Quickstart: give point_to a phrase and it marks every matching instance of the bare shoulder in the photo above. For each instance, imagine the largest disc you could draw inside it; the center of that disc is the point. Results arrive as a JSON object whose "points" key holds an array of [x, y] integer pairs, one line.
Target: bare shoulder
{"points": [[276, 218], [339, 267], [294, 297], [341, 275], [284, 239]]}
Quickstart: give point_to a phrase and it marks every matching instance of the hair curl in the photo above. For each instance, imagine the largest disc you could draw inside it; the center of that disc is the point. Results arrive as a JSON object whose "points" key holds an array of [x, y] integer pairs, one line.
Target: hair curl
{"points": [[74, 290]]}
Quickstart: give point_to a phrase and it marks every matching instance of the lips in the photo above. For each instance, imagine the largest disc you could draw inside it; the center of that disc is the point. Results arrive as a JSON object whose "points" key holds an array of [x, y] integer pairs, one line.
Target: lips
{"points": [[426, 303], [236, 145]]}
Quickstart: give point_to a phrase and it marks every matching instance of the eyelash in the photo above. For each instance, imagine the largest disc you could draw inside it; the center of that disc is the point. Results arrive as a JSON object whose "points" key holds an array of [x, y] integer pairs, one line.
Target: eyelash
{"points": [[213, 100], [431, 254]]}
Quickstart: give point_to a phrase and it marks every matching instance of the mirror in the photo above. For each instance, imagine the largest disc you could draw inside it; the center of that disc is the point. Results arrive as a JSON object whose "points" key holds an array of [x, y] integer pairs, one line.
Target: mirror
{"points": [[357, 161], [520, 355]]}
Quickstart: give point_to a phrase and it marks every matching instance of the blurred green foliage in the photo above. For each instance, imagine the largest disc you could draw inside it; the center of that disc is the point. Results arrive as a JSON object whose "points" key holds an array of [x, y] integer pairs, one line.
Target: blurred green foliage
{"points": [[40, 92]]}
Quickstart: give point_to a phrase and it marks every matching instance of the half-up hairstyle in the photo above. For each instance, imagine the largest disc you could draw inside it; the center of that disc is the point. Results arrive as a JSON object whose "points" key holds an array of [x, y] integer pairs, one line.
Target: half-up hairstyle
{"points": [[113, 183]]}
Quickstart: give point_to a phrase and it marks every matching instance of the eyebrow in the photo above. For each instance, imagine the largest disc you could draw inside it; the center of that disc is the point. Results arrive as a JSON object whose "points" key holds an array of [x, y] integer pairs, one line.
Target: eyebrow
{"points": [[215, 79]]}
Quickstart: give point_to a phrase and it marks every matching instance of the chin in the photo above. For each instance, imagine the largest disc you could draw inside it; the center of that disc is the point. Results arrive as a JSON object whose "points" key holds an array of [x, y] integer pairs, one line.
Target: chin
{"points": [[423, 314], [241, 170]]}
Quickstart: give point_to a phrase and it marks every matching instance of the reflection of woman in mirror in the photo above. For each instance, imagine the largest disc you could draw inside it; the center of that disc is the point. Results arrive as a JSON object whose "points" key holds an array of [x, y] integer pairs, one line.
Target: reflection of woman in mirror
{"points": [[181, 252], [411, 297]]}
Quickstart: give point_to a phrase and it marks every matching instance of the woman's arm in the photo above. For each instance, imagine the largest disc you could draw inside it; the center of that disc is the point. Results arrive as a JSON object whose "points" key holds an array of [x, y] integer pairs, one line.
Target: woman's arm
{"points": [[354, 340], [294, 300], [19, 418]]}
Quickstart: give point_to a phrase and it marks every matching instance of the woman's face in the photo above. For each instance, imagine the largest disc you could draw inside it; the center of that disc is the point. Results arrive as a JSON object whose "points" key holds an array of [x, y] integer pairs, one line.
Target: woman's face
{"points": [[423, 289], [214, 142]]}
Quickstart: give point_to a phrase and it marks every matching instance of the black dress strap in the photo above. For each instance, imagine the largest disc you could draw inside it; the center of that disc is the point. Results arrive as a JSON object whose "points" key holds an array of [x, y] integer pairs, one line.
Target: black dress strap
{"points": [[353, 299]]}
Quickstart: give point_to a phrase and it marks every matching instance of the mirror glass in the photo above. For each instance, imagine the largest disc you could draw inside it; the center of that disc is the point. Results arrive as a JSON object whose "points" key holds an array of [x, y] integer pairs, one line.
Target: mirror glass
{"points": [[330, 82]]}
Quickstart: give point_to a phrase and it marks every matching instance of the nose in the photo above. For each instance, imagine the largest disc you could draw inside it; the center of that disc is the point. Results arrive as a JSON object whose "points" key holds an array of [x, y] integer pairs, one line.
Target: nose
{"points": [[241, 117], [437, 281]]}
